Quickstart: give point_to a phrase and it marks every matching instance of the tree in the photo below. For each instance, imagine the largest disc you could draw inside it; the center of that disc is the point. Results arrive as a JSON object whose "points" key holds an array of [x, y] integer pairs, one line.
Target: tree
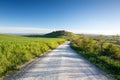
{"points": [[101, 40]]}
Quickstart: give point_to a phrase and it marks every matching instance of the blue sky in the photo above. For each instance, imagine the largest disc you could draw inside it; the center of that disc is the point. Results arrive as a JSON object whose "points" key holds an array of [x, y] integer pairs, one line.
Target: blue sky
{"points": [[41, 16]]}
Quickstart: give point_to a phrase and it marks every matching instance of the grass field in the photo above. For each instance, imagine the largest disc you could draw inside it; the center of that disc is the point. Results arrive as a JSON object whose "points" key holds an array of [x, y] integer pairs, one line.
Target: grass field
{"points": [[16, 50]]}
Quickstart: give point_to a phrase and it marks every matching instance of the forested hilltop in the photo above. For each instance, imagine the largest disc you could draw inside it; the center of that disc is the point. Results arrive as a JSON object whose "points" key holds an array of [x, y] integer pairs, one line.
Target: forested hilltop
{"points": [[56, 34]]}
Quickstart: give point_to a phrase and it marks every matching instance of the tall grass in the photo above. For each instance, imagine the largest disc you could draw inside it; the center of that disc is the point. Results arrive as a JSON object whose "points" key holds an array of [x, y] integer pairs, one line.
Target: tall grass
{"points": [[15, 50]]}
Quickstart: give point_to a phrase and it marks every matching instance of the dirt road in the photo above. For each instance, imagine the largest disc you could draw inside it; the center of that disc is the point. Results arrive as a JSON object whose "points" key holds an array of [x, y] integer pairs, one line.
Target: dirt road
{"points": [[60, 64]]}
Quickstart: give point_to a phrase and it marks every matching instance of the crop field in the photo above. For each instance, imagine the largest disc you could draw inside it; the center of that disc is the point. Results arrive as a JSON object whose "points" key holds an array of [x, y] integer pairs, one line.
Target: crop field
{"points": [[16, 50]]}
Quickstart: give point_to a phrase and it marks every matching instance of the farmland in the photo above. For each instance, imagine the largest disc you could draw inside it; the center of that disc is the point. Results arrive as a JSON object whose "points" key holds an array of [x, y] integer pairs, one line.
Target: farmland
{"points": [[17, 50]]}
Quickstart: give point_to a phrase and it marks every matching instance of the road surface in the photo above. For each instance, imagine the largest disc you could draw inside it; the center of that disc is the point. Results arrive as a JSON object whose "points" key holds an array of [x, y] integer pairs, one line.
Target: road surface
{"points": [[60, 64]]}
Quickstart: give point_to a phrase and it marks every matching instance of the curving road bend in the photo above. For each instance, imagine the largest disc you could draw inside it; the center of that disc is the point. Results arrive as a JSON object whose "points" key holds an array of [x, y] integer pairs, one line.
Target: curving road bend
{"points": [[60, 64]]}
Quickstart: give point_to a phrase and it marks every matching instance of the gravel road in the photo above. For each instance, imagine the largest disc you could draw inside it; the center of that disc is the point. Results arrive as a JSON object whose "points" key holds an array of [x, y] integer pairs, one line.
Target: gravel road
{"points": [[60, 64]]}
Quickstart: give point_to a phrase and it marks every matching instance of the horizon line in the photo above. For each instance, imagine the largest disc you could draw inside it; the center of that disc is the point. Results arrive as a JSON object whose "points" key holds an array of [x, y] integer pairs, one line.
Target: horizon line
{"points": [[37, 30]]}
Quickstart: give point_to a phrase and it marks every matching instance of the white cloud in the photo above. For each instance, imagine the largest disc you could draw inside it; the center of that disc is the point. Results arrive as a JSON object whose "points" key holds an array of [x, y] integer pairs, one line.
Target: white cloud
{"points": [[24, 30], [35, 30], [103, 32]]}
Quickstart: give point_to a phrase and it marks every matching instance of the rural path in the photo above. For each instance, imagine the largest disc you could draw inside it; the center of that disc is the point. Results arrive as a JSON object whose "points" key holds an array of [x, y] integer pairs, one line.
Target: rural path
{"points": [[60, 64]]}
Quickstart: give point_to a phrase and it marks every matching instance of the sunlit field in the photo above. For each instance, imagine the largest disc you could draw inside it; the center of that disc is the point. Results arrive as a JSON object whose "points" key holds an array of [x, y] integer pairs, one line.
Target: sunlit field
{"points": [[16, 50]]}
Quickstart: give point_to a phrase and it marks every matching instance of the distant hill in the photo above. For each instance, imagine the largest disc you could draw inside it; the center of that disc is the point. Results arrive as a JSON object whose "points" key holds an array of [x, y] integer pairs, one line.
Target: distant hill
{"points": [[60, 33], [56, 34]]}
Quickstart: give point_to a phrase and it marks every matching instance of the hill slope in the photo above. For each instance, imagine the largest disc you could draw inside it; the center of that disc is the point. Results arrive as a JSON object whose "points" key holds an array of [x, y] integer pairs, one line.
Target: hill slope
{"points": [[59, 34], [56, 34]]}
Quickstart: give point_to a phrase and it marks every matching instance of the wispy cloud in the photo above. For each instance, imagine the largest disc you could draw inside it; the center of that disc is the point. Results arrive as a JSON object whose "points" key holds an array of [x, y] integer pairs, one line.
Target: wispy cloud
{"points": [[35, 30], [24, 30], [102, 32]]}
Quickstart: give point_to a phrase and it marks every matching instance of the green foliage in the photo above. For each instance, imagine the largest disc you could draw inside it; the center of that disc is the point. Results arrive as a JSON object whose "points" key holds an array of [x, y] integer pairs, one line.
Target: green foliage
{"points": [[112, 51], [114, 39], [86, 44], [109, 57], [16, 50]]}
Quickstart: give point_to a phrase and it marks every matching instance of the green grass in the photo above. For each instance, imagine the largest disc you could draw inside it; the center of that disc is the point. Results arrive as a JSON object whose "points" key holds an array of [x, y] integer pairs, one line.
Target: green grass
{"points": [[17, 50]]}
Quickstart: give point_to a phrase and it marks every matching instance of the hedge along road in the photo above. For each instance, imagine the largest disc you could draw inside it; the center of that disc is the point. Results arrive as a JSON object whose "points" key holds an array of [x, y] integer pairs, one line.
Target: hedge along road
{"points": [[62, 63]]}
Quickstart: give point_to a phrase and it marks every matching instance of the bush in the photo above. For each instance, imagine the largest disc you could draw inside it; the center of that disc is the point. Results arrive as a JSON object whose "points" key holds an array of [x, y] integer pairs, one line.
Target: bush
{"points": [[108, 59]]}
